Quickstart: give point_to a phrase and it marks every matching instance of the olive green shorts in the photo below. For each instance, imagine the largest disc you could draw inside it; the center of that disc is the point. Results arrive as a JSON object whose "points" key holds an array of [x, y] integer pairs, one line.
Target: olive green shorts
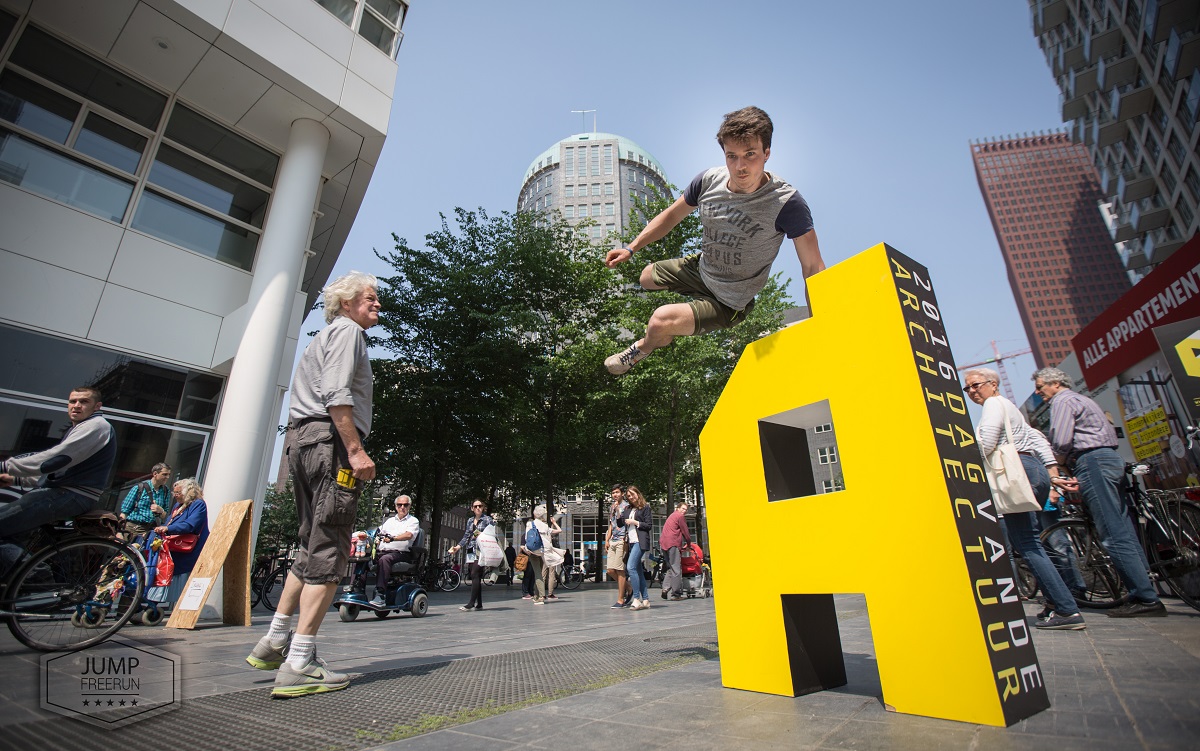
{"points": [[682, 275]]}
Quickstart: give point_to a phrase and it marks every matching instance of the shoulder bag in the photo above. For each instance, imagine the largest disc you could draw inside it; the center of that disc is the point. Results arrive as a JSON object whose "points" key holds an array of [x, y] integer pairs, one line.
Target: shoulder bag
{"points": [[1007, 478]]}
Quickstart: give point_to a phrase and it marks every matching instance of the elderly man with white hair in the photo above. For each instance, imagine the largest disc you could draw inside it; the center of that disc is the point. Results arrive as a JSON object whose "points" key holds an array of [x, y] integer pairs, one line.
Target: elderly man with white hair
{"points": [[1085, 442], [329, 416]]}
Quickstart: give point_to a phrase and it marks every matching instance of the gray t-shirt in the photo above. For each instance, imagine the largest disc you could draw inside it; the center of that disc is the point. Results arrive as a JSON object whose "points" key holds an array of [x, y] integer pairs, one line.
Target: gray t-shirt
{"points": [[335, 370], [743, 232]]}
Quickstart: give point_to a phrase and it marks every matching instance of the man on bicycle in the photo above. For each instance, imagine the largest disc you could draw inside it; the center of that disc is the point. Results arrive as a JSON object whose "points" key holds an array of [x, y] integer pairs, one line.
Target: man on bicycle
{"points": [[1084, 441], [73, 474]]}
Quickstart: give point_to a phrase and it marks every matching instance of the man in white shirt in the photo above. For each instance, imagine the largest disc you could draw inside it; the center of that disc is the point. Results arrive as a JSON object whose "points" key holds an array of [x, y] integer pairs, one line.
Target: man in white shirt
{"points": [[394, 541]]}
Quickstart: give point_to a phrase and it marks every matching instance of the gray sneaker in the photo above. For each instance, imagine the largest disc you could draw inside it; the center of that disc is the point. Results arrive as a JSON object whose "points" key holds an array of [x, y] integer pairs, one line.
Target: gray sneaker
{"points": [[1058, 622], [313, 678], [266, 656], [378, 601]]}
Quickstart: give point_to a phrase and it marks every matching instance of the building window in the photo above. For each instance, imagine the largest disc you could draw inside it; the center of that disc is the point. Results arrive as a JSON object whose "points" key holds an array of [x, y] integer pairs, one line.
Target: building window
{"points": [[207, 190], [569, 191], [569, 162], [610, 228], [378, 21], [81, 131], [596, 233], [595, 160], [827, 455], [609, 209], [608, 159], [583, 210], [595, 209], [595, 189], [569, 212], [608, 189], [829, 486], [826, 428]]}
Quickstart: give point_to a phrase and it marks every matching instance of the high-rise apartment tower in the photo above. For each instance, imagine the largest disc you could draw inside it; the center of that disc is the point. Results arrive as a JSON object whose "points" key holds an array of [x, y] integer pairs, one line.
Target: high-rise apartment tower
{"points": [[1043, 198], [1129, 71], [593, 176]]}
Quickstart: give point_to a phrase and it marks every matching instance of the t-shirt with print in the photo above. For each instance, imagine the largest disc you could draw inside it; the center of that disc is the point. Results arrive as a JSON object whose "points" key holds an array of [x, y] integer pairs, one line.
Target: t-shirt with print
{"points": [[743, 232]]}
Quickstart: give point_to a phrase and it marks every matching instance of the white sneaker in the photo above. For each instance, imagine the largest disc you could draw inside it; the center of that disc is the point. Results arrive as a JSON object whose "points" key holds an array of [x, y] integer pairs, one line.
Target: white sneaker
{"points": [[624, 360]]}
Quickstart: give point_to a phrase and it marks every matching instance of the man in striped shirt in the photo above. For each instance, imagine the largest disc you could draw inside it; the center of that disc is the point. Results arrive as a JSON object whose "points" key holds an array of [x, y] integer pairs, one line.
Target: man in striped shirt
{"points": [[1084, 441]]}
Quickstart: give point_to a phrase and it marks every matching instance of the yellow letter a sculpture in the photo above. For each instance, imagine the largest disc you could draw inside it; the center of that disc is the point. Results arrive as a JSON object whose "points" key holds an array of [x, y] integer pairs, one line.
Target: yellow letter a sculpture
{"points": [[915, 529]]}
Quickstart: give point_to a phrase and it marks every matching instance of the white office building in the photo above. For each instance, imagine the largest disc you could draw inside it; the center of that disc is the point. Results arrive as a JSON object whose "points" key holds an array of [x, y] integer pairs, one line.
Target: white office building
{"points": [[177, 179]]}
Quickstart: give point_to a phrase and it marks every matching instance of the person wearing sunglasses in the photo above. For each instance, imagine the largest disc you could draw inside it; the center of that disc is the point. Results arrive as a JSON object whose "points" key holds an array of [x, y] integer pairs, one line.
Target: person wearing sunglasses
{"points": [[1000, 419], [393, 542], [475, 526]]}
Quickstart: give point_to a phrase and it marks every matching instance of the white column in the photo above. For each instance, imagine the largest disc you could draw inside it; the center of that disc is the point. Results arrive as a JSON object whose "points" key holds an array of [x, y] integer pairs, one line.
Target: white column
{"points": [[249, 410]]}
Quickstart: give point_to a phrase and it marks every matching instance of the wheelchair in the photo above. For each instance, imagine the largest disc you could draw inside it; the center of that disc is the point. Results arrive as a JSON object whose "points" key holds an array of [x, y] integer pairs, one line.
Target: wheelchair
{"points": [[404, 591]]}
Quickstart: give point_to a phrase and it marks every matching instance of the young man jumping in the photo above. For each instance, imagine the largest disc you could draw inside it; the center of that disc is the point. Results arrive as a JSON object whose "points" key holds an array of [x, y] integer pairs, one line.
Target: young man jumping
{"points": [[746, 212]]}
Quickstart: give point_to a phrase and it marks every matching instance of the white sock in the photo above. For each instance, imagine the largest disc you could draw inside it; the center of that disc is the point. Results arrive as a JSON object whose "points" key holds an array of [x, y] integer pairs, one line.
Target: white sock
{"points": [[302, 651], [280, 626]]}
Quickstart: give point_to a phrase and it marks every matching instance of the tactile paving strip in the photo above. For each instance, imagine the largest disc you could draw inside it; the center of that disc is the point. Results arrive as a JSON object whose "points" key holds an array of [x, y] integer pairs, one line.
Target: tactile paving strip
{"points": [[363, 715]]}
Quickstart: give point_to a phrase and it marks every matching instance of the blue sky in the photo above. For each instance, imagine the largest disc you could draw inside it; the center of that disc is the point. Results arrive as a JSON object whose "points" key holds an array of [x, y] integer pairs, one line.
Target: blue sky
{"points": [[875, 105]]}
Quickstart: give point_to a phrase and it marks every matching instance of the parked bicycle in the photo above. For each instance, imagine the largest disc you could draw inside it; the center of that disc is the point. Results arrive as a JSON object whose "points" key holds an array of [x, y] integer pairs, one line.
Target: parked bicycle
{"points": [[1168, 528], [266, 578], [569, 578], [441, 575], [74, 585]]}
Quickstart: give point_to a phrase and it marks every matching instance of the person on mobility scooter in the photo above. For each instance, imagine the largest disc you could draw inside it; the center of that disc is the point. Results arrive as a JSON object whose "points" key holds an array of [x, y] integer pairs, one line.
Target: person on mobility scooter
{"points": [[399, 552]]}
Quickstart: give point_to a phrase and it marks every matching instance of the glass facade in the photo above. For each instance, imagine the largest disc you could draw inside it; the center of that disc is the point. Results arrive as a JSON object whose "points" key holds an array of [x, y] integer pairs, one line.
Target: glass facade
{"points": [[77, 131], [160, 412]]}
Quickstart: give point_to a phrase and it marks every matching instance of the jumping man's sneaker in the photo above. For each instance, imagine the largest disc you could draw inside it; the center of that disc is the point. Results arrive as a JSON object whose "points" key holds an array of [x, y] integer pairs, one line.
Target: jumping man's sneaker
{"points": [[1062, 622], [623, 361], [266, 656], [313, 678]]}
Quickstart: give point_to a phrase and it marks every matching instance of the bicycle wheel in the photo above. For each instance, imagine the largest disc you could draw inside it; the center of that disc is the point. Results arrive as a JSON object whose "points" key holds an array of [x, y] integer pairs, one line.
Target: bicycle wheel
{"points": [[258, 577], [75, 594], [273, 587], [571, 579], [1102, 587], [1177, 560], [448, 580], [1027, 583]]}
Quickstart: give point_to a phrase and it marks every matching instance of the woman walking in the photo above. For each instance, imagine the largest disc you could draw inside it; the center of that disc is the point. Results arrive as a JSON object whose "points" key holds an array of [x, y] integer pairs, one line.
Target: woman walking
{"points": [[475, 526], [638, 523]]}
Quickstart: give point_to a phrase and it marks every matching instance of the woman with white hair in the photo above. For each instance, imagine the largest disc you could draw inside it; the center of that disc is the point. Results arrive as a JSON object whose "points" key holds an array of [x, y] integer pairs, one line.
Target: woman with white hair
{"points": [[1000, 419], [189, 516], [543, 560]]}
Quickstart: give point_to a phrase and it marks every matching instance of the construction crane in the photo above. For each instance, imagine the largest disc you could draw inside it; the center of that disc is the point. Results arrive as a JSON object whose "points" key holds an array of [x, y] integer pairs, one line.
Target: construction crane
{"points": [[999, 360]]}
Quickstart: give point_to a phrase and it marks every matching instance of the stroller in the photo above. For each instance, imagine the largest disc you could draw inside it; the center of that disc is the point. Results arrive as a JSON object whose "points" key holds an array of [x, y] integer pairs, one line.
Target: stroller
{"points": [[697, 581]]}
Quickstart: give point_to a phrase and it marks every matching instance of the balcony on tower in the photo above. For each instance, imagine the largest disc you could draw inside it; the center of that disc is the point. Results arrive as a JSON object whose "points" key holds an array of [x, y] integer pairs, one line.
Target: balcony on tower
{"points": [[1161, 16], [1107, 130], [1127, 102], [1080, 83], [1116, 71], [1160, 243], [1048, 14], [1134, 185], [1098, 45], [1148, 214], [1182, 55]]}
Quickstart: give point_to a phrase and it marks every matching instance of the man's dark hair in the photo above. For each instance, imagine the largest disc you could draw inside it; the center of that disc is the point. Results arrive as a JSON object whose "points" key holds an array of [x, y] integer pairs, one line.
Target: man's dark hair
{"points": [[617, 486], [159, 468], [744, 125], [95, 392]]}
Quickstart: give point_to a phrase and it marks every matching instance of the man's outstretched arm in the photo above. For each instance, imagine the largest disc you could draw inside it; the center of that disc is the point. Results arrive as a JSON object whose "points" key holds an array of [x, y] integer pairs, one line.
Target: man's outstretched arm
{"points": [[656, 230]]}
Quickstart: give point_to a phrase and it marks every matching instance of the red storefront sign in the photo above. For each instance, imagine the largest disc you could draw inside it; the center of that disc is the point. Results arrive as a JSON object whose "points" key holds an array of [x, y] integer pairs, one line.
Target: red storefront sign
{"points": [[1122, 335]]}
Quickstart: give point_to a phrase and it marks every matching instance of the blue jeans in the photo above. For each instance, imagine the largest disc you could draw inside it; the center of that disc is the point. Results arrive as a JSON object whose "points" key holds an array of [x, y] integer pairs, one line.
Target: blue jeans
{"points": [[637, 575], [1022, 535], [1099, 473], [1062, 553], [41, 506]]}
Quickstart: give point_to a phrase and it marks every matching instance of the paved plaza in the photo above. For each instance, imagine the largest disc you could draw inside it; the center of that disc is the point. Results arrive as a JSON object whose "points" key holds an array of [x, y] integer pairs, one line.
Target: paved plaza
{"points": [[576, 674]]}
